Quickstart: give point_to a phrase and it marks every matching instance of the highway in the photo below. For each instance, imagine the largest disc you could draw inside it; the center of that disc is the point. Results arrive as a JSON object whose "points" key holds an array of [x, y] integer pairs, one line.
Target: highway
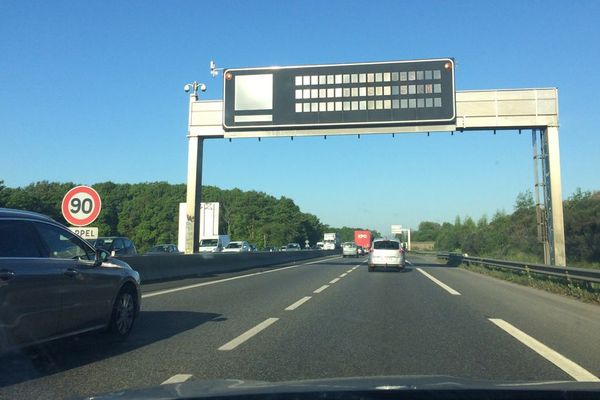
{"points": [[321, 319]]}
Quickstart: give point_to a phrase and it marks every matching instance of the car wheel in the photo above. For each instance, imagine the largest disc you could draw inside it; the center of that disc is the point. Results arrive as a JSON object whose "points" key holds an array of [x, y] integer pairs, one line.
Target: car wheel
{"points": [[123, 315]]}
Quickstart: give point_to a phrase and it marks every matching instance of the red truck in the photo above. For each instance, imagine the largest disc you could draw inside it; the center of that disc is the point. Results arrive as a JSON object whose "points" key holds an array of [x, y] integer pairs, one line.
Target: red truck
{"points": [[363, 238]]}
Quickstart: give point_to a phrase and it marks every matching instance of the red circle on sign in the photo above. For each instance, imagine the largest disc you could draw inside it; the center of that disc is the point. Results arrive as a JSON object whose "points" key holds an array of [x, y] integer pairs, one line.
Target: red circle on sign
{"points": [[96, 205]]}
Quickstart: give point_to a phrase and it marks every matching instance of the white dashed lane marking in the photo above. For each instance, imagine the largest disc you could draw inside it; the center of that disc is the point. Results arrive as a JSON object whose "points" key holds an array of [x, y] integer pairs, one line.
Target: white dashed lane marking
{"points": [[439, 283], [197, 285], [248, 334], [576, 371], [298, 303], [319, 290], [177, 379]]}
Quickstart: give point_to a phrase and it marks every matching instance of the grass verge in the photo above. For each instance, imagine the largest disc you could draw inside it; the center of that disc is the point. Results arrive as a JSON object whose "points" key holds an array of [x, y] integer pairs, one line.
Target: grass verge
{"points": [[587, 292]]}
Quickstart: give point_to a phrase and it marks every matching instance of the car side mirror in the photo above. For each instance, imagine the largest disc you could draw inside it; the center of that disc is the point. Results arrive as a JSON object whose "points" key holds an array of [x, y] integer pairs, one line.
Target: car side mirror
{"points": [[101, 256]]}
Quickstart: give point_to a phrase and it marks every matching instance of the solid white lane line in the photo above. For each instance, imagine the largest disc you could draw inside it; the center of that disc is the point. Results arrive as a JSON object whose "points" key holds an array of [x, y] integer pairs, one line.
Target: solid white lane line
{"points": [[298, 303], [439, 283], [334, 280], [350, 270], [177, 379], [577, 372], [343, 275], [196, 285], [319, 290], [248, 334]]}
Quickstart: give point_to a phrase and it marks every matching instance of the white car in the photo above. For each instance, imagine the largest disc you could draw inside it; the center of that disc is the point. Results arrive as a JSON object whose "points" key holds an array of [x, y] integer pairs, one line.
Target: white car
{"points": [[386, 253], [349, 249], [237, 247]]}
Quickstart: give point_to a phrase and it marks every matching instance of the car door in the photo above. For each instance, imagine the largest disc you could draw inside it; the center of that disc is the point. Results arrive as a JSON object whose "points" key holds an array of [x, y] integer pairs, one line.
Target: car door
{"points": [[88, 290], [29, 286]]}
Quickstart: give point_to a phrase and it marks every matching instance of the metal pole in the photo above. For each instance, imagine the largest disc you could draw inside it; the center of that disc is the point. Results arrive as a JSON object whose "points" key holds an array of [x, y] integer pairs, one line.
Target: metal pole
{"points": [[557, 240], [194, 187], [540, 212]]}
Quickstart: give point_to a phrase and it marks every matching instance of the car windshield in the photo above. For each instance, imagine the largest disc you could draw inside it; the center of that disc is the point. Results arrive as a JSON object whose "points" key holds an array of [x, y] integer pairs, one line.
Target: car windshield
{"points": [[283, 191], [386, 245], [103, 242]]}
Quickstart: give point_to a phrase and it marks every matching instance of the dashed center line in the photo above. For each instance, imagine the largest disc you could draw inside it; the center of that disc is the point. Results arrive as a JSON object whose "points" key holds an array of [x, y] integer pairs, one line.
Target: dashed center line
{"points": [[197, 285], [177, 379], [343, 275], [334, 280], [439, 283], [576, 371], [319, 290], [298, 303], [350, 270], [248, 334]]}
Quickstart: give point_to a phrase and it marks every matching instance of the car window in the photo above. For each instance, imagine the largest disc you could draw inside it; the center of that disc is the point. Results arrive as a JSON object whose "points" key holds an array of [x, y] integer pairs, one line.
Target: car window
{"points": [[62, 243], [18, 239], [386, 245], [118, 244]]}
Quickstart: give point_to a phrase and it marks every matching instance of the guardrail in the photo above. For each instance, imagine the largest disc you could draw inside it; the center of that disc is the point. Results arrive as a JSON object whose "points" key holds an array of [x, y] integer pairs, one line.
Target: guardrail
{"points": [[168, 267], [579, 274]]}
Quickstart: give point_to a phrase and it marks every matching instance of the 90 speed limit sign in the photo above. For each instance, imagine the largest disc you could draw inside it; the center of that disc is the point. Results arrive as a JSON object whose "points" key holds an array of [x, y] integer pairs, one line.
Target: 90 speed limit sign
{"points": [[81, 206]]}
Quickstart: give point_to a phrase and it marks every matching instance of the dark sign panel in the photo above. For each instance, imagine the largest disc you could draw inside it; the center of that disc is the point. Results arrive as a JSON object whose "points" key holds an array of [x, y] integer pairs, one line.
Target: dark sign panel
{"points": [[399, 93]]}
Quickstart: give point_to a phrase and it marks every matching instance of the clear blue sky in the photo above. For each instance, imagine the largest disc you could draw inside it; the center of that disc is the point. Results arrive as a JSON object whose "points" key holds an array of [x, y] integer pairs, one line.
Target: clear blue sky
{"points": [[91, 91]]}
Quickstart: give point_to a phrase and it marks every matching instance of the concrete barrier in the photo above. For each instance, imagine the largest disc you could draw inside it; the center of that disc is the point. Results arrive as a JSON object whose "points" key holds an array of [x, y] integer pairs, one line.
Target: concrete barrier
{"points": [[169, 267]]}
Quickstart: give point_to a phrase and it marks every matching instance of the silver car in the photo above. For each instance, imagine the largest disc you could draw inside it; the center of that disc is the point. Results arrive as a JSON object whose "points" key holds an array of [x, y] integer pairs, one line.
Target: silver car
{"points": [[349, 249], [54, 284], [386, 253], [237, 247]]}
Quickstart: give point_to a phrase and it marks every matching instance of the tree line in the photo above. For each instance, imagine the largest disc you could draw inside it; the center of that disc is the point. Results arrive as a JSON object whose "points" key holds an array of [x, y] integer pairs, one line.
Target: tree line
{"points": [[147, 213], [514, 236]]}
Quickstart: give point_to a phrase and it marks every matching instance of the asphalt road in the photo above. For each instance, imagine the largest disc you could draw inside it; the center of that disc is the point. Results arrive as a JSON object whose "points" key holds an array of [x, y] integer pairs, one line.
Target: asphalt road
{"points": [[329, 318]]}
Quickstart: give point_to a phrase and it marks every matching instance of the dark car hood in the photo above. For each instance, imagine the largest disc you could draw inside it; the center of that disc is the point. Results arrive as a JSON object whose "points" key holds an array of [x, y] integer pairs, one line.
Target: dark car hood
{"points": [[431, 383]]}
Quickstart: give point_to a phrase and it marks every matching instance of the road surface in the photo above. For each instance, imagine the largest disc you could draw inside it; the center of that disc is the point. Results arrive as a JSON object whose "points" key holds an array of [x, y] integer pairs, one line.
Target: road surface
{"points": [[321, 319]]}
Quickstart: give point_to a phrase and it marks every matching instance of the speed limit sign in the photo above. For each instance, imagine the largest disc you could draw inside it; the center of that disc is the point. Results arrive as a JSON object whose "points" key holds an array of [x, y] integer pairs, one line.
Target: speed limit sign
{"points": [[81, 206]]}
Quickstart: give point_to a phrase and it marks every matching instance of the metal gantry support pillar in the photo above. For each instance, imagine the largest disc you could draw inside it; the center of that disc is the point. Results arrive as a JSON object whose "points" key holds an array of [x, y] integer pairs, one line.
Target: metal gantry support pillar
{"points": [[549, 212], [554, 193], [540, 203], [194, 188]]}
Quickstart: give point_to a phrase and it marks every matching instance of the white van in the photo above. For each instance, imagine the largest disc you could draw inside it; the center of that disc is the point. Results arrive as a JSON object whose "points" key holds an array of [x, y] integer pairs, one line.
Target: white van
{"points": [[213, 245], [386, 253]]}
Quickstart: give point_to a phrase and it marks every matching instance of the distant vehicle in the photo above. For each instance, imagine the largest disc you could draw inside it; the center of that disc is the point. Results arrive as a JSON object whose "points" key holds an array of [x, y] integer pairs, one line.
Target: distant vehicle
{"points": [[363, 238], [253, 247], [54, 284], [361, 250], [331, 241], [292, 247], [237, 247], [270, 249], [320, 245], [117, 246], [213, 245], [161, 249], [386, 253], [349, 249]]}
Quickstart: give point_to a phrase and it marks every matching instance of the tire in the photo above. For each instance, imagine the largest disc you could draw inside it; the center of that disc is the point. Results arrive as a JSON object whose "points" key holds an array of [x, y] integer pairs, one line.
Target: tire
{"points": [[123, 314]]}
